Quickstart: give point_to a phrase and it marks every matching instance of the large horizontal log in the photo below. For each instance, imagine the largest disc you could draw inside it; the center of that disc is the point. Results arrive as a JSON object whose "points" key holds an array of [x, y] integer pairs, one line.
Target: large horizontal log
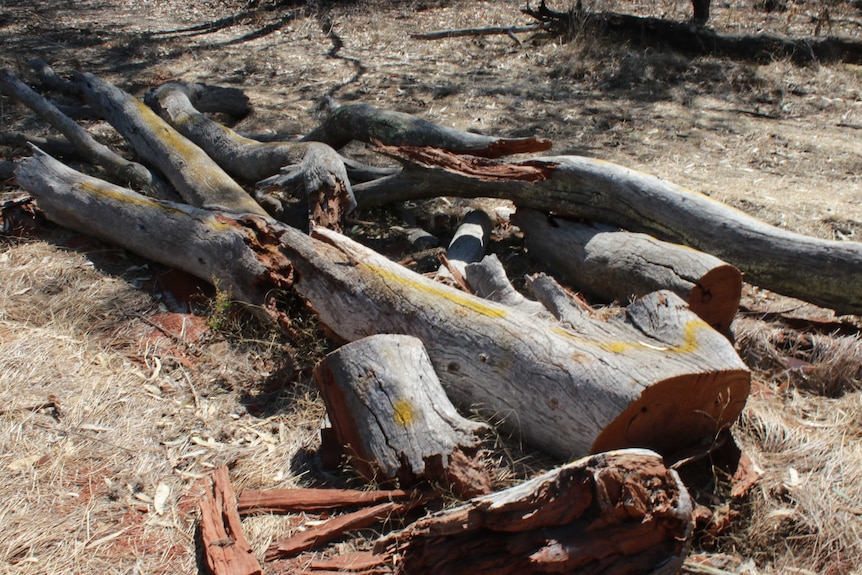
{"points": [[658, 376], [823, 272], [613, 513], [613, 264], [365, 123]]}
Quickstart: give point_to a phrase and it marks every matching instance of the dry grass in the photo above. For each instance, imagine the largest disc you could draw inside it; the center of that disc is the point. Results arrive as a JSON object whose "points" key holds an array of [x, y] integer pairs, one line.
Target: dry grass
{"points": [[139, 408]]}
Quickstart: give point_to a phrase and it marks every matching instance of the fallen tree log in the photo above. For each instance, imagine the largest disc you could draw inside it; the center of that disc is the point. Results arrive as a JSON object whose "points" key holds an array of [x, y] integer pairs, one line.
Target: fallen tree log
{"points": [[124, 171], [823, 272], [364, 123], [196, 177], [658, 377], [392, 416], [615, 265], [613, 513]]}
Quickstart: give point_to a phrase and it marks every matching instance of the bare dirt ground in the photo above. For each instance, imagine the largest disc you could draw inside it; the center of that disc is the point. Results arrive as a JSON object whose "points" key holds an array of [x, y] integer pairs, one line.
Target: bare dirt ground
{"points": [[114, 399]]}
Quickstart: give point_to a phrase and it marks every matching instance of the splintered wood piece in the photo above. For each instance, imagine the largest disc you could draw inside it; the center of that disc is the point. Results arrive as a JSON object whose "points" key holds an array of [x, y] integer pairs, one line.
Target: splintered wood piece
{"points": [[333, 529], [388, 408], [352, 562], [613, 264], [254, 501], [613, 513], [226, 549]]}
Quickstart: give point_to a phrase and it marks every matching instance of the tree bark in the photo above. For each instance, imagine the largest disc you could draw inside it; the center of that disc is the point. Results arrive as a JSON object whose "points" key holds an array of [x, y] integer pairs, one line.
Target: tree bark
{"points": [[616, 265], [388, 409], [658, 377], [613, 513], [255, 501], [365, 123], [197, 178], [226, 549], [823, 272]]}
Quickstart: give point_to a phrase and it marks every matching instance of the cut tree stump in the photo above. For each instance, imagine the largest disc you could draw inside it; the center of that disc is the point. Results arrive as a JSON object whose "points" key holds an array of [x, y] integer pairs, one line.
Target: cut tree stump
{"points": [[823, 272], [616, 265], [657, 377], [613, 513], [226, 549], [388, 409]]}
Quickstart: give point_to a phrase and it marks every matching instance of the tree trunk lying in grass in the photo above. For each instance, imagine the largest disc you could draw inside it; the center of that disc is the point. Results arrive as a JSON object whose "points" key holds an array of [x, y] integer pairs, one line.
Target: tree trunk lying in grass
{"points": [[613, 513], [616, 265], [823, 272], [388, 409], [658, 377]]}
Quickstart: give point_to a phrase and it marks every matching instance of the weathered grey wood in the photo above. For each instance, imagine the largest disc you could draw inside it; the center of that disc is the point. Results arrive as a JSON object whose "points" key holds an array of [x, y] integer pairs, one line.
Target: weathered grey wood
{"points": [[469, 243], [196, 177], [317, 166], [614, 513], [365, 123], [823, 272], [388, 408], [124, 171], [615, 265], [658, 376], [488, 280], [203, 243]]}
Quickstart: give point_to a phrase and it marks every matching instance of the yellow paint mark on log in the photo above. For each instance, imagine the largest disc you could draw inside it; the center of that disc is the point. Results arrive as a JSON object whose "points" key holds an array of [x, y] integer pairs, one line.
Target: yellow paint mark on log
{"points": [[405, 415], [120, 195], [688, 345], [468, 302]]}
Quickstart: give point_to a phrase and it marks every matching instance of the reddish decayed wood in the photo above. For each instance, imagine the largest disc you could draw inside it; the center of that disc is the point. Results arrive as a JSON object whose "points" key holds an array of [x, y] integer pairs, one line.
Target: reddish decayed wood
{"points": [[226, 548], [301, 499], [333, 529]]}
